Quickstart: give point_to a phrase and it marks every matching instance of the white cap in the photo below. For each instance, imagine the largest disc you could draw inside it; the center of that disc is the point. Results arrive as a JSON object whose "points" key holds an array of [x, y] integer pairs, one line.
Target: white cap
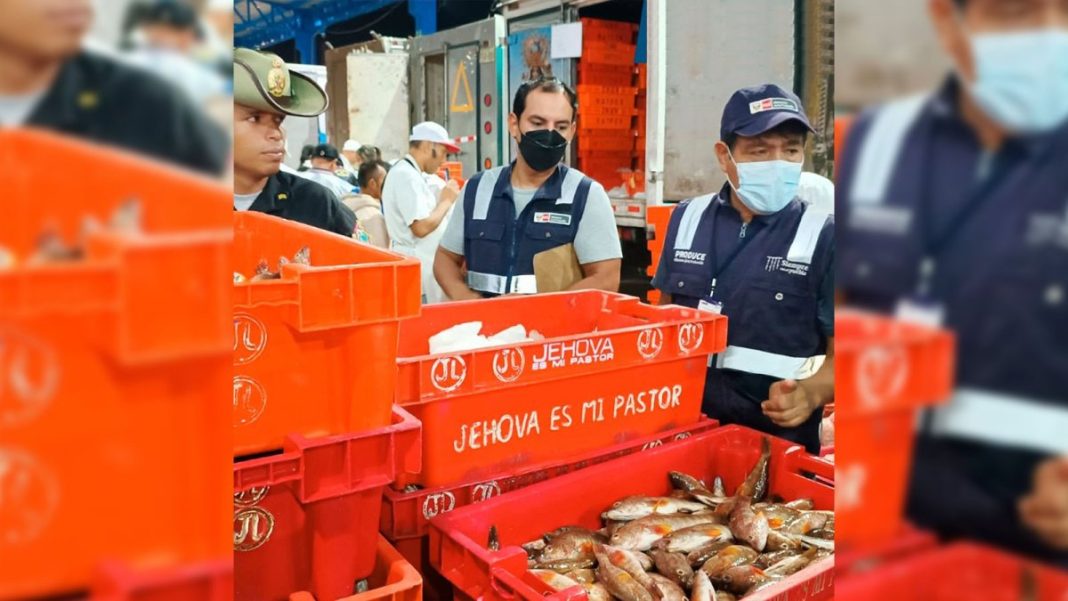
{"points": [[428, 131], [351, 146]]}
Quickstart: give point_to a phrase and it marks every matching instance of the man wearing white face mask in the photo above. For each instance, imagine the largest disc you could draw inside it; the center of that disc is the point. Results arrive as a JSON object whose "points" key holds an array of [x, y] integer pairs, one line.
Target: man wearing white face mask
{"points": [[954, 212], [758, 254]]}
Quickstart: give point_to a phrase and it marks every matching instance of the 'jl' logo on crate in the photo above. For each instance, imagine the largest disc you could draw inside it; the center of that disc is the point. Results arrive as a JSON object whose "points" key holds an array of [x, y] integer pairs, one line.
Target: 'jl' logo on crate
{"points": [[250, 338], [448, 373], [29, 377], [253, 527]]}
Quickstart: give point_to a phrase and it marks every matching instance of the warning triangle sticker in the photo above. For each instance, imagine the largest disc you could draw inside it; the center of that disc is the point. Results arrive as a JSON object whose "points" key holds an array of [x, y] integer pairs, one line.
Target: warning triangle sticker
{"points": [[461, 77]]}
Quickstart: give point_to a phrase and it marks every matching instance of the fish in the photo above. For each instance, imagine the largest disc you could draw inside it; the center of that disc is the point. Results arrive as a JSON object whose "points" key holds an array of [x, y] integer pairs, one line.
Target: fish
{"points": [[303, 256], [779, 516], [633, 508], [618, 581], [755, 485], [127, 217], [534, 547], [800, 504], [625, 560], [570, 546], [641, 534], [564, 530], [263, 272], [582, 576], [725, 596], [702, 588], [824, 533], [718, 489], [674, 566], [807, 521], [597, 592], [770, 582], [494, 541], [562, 566], [555, 580], [694, 537], [668, 589], [792, 565], [778, 541], [770, 558], [740, 579], [748, 526], [728, 557], [819, 543], [239, 278], [695, 488], [706, 552]]}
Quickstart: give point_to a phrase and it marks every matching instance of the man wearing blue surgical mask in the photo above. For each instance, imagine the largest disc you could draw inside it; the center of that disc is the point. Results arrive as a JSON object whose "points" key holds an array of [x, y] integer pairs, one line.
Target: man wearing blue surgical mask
{"points": [[954, 211], [758, 254]]}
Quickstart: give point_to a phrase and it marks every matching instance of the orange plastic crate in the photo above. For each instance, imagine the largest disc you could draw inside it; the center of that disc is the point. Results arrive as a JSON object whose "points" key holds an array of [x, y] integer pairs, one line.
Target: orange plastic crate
{"points": [[884, 371], [603, 30], [314, 352], [596, 74], [206, 581], [612, 356], [607, 53], [596, 120], [610, 140], [110, 410]]}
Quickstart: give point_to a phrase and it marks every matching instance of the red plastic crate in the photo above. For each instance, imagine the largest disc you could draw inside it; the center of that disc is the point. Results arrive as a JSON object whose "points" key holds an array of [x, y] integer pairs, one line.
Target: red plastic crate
{"points": [[307, 519], [458, 540], [110, 367], [416, 551], [610, 350], [607, 53], [314, 351], [603, 30], [605, 75], [908, 541], [393, 579], [884, 370], [406, 515], [959, 572], [209, 581]]}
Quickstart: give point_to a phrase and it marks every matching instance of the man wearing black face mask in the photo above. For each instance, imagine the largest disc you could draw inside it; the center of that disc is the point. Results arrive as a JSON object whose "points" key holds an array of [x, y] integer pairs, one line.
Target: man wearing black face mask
{"points": [[510, 214]]}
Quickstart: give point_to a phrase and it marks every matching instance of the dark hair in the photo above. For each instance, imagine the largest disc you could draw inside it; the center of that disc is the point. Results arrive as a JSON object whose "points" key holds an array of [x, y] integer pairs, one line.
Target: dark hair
{"points": [[367, 171], [369, 153], [307, 152], [551, 85], [787, 128]]}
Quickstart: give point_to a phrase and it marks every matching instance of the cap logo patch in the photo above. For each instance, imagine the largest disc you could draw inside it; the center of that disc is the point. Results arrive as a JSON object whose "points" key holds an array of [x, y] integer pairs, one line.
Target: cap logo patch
{"points": [[277, 78], [773, 104]]}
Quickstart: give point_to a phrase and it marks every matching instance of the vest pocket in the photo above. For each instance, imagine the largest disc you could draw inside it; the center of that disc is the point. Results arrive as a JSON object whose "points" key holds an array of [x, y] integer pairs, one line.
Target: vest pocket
{"points": [[542, 237], [777, 319], [688, 285]]}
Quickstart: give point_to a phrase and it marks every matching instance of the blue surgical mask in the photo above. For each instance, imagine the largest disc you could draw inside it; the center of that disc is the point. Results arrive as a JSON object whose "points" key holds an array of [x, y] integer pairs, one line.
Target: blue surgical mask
{"points": [[766, 187], [1021, 78]]}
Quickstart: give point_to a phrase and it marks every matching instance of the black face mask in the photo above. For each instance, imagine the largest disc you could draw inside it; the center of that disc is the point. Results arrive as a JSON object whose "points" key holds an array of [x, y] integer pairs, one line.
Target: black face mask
{"points": [[542, 149]]}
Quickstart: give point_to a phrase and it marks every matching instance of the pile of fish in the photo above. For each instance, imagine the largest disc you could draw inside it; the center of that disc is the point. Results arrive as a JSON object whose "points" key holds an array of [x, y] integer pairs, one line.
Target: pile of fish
{"points": [[263, 269], [696, 544]]}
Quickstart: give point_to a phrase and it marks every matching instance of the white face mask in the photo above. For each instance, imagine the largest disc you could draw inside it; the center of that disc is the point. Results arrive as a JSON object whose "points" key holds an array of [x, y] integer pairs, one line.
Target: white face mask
{"points": [[1021, 78], [766, 187]]}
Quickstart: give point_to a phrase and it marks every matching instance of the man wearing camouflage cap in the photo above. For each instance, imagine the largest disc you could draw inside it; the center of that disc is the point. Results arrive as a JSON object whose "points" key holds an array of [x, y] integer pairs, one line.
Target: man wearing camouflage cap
{"points": [[265, 92]]}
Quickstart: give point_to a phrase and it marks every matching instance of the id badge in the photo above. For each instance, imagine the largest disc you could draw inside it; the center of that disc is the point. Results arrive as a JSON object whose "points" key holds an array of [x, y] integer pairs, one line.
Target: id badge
{"points": [[922, 312], [710, 306]]}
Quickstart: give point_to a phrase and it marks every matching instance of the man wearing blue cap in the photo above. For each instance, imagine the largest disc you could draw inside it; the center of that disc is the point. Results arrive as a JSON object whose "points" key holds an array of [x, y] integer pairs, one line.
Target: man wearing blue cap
{"points": [[759, 255]]}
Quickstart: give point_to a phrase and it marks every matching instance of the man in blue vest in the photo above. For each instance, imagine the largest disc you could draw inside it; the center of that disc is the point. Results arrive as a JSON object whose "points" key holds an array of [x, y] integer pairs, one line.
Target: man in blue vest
{"points": [[759, 255], [510, 214], [955, 212]]}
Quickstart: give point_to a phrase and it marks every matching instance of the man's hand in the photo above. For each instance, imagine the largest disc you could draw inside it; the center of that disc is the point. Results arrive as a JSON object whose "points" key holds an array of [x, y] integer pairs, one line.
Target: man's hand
{"points": [[450, 192], [789, 404], [1045, 510]]}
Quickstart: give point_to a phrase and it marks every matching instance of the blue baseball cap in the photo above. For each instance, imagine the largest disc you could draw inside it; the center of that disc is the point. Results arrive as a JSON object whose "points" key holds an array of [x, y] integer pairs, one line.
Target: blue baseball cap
{"points": [[753, 111]]}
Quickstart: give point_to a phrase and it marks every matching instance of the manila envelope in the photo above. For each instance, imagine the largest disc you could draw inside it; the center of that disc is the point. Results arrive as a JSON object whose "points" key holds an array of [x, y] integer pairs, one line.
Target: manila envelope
{"points": [[557, 269]]}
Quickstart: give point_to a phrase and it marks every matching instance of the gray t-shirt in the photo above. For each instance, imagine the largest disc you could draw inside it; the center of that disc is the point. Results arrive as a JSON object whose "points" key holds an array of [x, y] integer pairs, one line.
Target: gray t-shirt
{"points": [[15, 110], [596, 240], [242, 202]]}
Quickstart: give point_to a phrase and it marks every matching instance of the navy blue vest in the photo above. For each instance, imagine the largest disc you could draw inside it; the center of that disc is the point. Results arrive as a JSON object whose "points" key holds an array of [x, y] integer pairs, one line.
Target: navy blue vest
{"points": [[770, 293], [500, 247]]}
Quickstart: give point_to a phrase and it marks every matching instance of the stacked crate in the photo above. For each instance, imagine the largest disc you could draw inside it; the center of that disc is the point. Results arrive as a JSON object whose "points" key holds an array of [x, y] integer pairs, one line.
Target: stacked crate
{"points": [[608, 100]]}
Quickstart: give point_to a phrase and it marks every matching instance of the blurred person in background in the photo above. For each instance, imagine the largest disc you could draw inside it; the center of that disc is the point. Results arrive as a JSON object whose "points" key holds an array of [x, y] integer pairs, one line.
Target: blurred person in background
{"points": [[167, 38], [416, 216], [955, 213], [369, 153], [370, 223], [50, 81], [760, 255], [265, 92], [325, 166], [305, 157]]}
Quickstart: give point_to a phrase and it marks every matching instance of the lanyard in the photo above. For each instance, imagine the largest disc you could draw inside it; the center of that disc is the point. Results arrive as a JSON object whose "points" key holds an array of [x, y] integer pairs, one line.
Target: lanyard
{"points": [[744, 238]]}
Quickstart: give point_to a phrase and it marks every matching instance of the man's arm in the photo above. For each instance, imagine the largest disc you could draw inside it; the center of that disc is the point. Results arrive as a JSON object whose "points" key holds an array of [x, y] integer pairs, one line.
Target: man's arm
{"points": [[426, 226], [665, 299], [448, 271], [600, 275], [1045, 510]]}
